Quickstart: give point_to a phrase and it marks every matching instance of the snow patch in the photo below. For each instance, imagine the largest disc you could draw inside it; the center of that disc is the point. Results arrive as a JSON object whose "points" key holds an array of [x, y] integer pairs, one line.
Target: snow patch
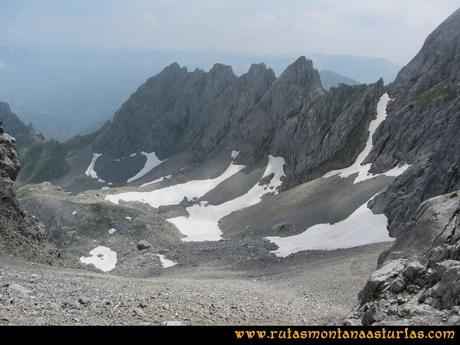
{"points": [[362, 227], [161, 179], [128, 218], [151, 162], [102, 258], [133, 155], [112, 231], [74, 213], [363, 170], [90, 172], [165, 263], [203, 221], [173, 195]]}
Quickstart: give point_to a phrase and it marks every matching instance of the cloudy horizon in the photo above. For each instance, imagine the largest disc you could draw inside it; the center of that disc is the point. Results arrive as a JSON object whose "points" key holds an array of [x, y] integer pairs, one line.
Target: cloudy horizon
{"points": [[390, 29]]}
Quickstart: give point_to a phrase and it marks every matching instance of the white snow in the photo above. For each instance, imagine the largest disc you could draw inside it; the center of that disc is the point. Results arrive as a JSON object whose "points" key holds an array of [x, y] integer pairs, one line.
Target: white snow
{"points": [[360, 228], [234, 154], [133, 154], [102, 258], [357, 167], [90, 172], [151, 162], [112, 231], [173, 195], [203, 221], [74, 213], [165, 263], [396, 171], [128, 218], [161, 179]]}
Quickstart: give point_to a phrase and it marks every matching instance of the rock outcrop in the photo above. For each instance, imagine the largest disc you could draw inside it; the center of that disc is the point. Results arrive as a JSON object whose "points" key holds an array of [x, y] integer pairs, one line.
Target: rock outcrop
{"points": [[20, 234], [418, 281]]}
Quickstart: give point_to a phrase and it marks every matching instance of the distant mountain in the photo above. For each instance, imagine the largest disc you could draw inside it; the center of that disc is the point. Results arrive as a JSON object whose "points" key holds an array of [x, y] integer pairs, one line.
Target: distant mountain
{"points": [[361, 69], [330, 79], [66, 91]]}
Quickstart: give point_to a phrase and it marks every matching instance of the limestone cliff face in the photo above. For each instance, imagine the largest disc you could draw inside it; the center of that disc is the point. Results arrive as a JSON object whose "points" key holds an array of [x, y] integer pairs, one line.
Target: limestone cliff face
{"points": [[20, 234], [422, 127], [257, 114]]}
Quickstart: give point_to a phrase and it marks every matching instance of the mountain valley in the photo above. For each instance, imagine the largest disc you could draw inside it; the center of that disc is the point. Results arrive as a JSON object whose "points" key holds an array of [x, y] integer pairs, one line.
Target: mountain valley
{"points": [[213, 198]]}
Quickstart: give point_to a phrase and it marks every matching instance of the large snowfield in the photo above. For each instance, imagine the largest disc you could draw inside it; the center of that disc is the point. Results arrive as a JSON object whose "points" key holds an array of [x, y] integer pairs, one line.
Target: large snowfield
{"points": [[203, 222], [360, 228]]}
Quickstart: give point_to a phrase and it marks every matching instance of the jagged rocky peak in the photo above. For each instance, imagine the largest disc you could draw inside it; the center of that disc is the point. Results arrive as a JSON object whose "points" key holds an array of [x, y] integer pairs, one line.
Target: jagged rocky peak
{"points": [[168, 76], [221, 69], [174, 69], [302, 73], [437, 62], [259, 68], [219, 78], [259, 73]]}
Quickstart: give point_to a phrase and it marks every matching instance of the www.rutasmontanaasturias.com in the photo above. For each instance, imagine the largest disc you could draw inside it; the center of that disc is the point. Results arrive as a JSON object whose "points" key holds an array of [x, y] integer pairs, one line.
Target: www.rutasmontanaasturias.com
{"points": [[343, 333]]}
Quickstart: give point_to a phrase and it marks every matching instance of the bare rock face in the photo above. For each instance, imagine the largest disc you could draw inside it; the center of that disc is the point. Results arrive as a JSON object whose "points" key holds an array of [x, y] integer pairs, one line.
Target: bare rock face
{"points": [[209, 113], [418, 281], [422, 127], [19, 234]]}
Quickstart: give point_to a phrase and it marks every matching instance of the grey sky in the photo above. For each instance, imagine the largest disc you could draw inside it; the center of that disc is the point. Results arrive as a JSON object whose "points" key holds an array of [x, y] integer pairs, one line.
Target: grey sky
{"points": [[392, 29]]}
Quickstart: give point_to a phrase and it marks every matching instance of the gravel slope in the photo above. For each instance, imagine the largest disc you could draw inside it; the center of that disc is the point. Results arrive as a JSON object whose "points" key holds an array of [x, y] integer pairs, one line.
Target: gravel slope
{"points": [[308, 289]]}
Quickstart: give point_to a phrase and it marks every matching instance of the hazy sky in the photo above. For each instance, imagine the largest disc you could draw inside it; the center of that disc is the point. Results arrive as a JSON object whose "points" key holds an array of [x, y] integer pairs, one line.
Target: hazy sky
{"points": [[393, 29]]}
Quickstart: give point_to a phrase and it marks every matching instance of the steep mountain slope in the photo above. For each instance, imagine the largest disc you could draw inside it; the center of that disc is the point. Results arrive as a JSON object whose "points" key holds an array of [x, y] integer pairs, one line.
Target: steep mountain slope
{"points": [[20, 234], [41, 160], [422, 127], [209, 114]]}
